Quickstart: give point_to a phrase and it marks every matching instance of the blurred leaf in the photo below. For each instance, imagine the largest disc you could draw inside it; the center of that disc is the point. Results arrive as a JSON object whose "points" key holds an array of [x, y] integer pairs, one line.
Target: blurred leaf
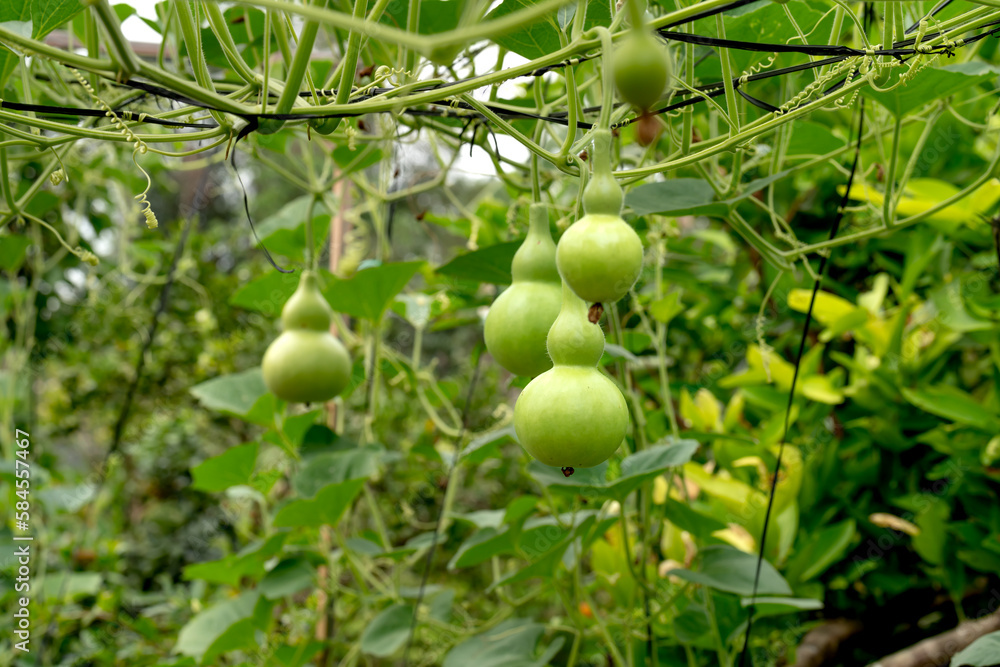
{"points": [[486, 265], [197, 637], [510, 644], [249, 562], [665, 309], [821, 550], [984, 652], [954, 404], [287, 578], [933, 83], [232, 467], [12, 250], [350, 161], [530, 41], [728, 569], [388, 631], [368, 292], [810, 138], [334, 468], [325, 509], [635, 469], [235, 394], [675, 197]]}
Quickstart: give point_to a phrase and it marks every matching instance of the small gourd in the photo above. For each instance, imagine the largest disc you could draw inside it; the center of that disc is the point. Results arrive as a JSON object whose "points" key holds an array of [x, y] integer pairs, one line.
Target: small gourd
{"points": [[572, 416], [600, 255], [642, 68], [520, 318], [306, 363]]}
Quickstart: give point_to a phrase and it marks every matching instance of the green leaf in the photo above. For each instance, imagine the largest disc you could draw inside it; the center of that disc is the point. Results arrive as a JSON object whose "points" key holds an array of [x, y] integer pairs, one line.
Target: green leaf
{"points": [[665, 309], [481, 546], [531, 41], [984, 652], [232, 467], [13, 248], [325, 509], [635, 469], [510, 644], [249, 562], [296, 655], [355, 160], [235, 394], [954, 404], [284, 233], [821, 550], [674, 197], [775, 606], [486, 265], [932, 84], [287, 578], [202, 631], [368, 292], [728, 569], [44, 16], [435, 15], [336, 467], [268, 293], [810, 138], [388, 631]]}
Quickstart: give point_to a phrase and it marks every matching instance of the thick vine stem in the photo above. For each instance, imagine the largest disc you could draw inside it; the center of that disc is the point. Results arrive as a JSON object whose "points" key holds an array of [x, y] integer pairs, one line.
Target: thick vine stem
{"points": [[119, 47]]}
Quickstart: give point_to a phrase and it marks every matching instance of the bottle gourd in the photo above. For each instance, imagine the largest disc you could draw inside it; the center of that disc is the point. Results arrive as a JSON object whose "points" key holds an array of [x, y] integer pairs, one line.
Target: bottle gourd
{"points": [[520, 318], [600, 255], [572, 416], [306, 364]]}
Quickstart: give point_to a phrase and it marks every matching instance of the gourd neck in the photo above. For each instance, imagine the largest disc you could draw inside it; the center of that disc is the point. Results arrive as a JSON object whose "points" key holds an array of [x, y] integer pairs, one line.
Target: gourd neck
{"points": [[573, 339], [535, 260], [307, 308], [602, 195]]}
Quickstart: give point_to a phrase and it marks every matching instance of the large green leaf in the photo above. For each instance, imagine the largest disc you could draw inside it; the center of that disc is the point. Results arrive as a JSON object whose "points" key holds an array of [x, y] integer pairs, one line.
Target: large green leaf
{"points": [[388, 631], [197, 637], [635, 469], [249, 562], [287, 578], [821, 550], [728, 569], [932, 84], [367, 293], [284, 233], [486, 265], [675, 197], [984, 652], [509, 644], [235, 394], [268, 293], [232, 467], [531, 41], [44, 16], [954, 404], [336, 467], [325, 509], [13, 248]]}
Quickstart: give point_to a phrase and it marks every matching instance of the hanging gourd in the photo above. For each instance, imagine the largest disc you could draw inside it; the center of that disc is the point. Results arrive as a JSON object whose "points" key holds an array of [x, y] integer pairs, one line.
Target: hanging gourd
{"points": [[520, 318], [306, 363], [572, 416], [600, 255]]}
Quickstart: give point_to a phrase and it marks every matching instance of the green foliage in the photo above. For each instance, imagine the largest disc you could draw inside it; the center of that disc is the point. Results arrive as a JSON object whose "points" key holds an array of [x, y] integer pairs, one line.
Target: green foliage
{"points": [[185, 516]]}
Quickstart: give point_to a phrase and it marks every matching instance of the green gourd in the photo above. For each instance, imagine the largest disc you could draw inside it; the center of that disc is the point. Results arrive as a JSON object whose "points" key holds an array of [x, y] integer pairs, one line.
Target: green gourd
{"points": [[520, 318], [306, 363], [642, 69], [600, 255], [572, 416]]}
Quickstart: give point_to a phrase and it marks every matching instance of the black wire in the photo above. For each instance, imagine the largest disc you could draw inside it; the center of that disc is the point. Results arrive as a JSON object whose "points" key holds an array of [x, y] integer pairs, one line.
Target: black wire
{"points": [[440, 517], [824, 260], [250, 127], [50, 110], [711, 12]]}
